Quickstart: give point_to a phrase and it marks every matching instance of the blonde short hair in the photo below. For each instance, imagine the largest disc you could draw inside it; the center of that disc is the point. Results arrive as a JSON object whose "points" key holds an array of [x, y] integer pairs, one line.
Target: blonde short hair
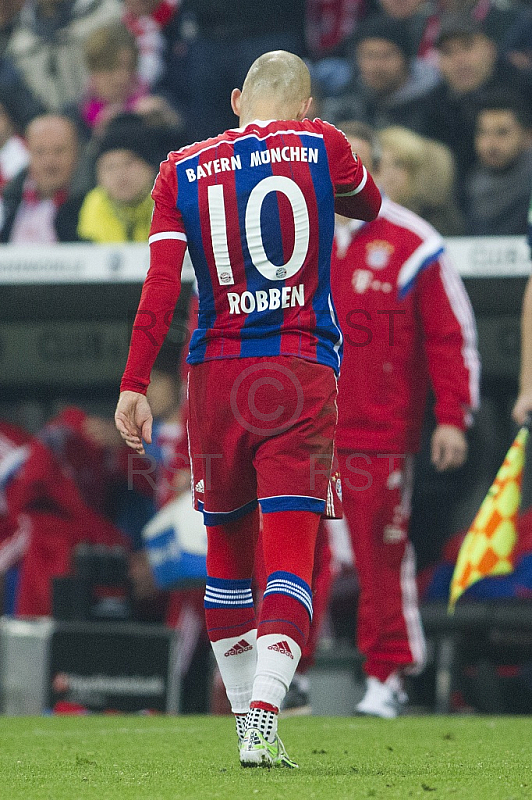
{"points": [[429, 164], [102, 45]]}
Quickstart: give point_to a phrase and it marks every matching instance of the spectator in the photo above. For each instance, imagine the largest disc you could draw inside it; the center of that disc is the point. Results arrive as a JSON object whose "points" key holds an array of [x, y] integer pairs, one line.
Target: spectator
{"points": [[424, 18], [13, 153], [329, 25], [154, 26], [9, 11], [496, 18], [419, 173], [470, 66], [46, 45], [120, 207], [497, 190], [38, 206], [113, 86], [423, 22], [16, 96], [395, 267], [389, 85], [517, 44], [219, 41]]}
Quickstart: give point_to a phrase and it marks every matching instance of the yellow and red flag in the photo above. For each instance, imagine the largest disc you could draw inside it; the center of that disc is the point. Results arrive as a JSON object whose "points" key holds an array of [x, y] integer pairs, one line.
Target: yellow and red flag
{"points": [[489, 543]]}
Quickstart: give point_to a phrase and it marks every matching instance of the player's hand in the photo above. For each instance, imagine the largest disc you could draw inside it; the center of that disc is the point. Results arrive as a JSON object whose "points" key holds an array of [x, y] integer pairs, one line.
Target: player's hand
{"points": [[522, 408], [448, 447], [133, 419]]}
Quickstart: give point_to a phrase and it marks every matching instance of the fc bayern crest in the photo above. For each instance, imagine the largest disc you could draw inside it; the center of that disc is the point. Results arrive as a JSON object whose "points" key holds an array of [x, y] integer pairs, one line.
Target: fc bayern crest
{"points": [[378, 254]]}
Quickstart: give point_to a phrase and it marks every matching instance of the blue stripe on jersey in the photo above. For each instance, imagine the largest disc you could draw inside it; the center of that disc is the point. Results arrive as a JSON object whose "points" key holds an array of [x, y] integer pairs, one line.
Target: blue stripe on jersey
{"points": [[187, 202], [258, 324], [329, 348]]}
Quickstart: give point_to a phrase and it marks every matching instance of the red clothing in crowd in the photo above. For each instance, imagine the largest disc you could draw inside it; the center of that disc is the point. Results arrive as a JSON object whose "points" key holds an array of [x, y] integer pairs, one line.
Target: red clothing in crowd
{"points": [[44, 503]]}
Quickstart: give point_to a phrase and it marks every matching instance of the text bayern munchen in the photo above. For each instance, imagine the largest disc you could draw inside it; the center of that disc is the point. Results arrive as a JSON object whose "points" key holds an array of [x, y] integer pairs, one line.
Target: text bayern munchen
{"points": [[272, 156]]}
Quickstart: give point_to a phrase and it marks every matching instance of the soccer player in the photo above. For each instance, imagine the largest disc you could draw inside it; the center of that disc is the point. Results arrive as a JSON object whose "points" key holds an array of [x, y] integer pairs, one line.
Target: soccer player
{"points": [[407, 321], [255, 206]]}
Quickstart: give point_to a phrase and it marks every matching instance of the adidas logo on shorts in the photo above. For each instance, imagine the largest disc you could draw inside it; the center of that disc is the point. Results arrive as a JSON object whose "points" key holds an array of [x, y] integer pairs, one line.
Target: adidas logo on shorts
{"points": [[282, 647], [199, 487], [239, 647]]}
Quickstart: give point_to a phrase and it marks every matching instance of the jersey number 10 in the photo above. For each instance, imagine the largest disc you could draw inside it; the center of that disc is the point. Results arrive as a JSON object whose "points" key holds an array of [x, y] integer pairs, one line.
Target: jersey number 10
{"points": [[254, 239]]}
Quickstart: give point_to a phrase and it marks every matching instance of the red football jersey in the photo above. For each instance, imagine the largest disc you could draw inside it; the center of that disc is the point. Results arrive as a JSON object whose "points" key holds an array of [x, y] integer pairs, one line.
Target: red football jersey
{"points": [[255, 206]]}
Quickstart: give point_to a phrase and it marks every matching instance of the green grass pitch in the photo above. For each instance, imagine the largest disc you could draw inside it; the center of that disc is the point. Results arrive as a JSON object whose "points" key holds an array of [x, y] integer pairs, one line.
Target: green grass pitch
{"points": [[195, 758]]}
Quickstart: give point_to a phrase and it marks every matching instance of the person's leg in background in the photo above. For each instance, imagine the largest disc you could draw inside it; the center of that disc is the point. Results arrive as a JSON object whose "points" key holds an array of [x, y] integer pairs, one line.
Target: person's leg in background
{"points": [[376, 497]]}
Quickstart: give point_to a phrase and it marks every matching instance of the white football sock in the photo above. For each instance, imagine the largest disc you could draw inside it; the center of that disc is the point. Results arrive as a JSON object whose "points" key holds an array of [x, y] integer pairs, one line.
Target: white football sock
{"points": [[236, 657], [277, 659]]}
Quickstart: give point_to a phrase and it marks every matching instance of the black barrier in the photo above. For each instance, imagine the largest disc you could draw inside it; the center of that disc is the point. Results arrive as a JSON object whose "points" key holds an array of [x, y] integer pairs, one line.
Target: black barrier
{"points": [[73, 336], [96, 667]]}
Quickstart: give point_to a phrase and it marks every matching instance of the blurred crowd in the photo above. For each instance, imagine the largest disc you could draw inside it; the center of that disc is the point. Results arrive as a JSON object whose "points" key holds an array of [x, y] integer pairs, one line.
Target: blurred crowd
{"points": [[447, 84], [94, 93]]}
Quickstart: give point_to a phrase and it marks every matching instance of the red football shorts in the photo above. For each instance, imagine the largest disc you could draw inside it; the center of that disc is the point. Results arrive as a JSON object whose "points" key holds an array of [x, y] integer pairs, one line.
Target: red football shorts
{"points": [[260, 430]]}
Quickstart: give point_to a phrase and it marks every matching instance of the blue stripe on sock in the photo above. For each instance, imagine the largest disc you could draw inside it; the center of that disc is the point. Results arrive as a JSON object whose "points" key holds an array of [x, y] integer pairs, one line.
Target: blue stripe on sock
{"points": [[223, 593], [292, 585]]}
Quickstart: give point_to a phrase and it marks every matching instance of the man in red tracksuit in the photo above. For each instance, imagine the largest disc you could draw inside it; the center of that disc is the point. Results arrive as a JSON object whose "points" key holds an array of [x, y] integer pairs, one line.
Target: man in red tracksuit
{"points": [[407, 322]]}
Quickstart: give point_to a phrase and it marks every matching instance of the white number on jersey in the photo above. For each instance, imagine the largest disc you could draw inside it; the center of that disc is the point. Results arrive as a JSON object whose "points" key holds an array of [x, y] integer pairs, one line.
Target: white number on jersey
{"points": [[255, 242]]}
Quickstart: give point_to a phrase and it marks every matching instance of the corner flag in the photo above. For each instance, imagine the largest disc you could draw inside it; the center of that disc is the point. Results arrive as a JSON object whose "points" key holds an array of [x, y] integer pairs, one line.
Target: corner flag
{"points": [[489, 543]]}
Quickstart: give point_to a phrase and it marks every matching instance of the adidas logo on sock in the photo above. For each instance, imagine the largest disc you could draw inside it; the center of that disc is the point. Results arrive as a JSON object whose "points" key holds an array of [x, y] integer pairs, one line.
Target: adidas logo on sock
{"points": [[282, 647], [239, 647]]}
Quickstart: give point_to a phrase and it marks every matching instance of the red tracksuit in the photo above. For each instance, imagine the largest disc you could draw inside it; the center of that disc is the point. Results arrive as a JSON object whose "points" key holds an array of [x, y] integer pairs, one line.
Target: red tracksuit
{"points": [[407, 321]]}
